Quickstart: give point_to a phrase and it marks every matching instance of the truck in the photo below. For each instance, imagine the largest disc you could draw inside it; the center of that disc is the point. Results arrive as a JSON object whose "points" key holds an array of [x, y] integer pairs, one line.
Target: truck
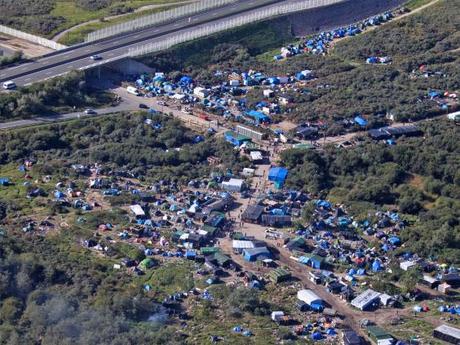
{"points": [[132, 90]]}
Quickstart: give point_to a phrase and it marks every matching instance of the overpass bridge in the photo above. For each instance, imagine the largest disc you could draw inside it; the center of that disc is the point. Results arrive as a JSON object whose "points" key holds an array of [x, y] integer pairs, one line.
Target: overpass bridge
{"points": [[155, 38]]}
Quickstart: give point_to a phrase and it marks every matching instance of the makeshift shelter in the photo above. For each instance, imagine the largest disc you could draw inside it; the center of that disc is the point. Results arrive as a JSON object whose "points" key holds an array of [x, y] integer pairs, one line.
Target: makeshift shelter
{"points": [[448, 334], [350, 337], [367, 300], [276, 220], [278, 176], [222, 259], [239, 245], [254, 254], [137, 211], [257, 116], [379, 335], [233, 185], [309, 297], [252, 213], [360, 121], [235, 138], [279, 275], [147, 263]]}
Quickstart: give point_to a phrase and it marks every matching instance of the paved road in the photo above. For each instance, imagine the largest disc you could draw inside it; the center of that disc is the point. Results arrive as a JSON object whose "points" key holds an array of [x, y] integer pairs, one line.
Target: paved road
{"points": [[77, 57]]}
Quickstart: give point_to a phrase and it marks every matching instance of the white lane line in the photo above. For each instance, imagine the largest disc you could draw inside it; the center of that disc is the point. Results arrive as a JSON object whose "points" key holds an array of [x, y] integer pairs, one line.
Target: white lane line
{"points": [[136, 36], [87, 50], [27, 79]]}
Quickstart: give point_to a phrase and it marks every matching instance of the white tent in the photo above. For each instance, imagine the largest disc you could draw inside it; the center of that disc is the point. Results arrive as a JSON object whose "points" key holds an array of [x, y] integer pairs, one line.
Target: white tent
{"points": [[308, 297]]}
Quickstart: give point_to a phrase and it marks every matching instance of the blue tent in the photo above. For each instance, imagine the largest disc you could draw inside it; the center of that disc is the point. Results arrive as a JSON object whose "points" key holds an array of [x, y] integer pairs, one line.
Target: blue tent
{"points": [[316, 336], [394, 240], [360, 121], [58, 194], [377, 266]]}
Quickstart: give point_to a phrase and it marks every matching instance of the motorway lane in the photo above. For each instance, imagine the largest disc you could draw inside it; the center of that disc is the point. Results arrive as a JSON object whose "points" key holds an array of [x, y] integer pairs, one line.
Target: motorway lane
{"points": [[79, 56]]}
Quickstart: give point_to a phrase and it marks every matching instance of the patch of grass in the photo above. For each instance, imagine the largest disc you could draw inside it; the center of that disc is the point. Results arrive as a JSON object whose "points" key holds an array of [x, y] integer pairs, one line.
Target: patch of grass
{"points": [[79, 34], [413, 4], [171, 278]]}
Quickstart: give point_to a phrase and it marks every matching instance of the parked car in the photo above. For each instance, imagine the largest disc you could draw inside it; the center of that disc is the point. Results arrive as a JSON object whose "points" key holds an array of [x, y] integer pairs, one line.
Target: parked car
{"points": [[90, 112], [143, 106]]}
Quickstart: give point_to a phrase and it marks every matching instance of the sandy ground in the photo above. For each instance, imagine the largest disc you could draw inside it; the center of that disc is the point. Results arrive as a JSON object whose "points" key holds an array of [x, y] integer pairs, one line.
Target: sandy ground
{"points": [[28, 48]]}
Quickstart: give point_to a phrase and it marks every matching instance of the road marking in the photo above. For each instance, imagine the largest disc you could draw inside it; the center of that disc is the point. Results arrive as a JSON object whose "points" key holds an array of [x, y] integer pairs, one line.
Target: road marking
{"points": [[156, 30], [27, 79], [176, 25], [87, 50], [136, 36]]}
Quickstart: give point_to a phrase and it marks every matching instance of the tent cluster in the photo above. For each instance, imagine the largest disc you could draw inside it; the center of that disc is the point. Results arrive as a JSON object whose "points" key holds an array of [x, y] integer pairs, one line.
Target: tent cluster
{"points": [[320, 43]]}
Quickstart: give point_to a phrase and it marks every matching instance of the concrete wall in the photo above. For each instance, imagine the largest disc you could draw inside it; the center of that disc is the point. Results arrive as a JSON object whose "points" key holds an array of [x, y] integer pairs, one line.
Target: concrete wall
{"points": [[129, 67], [345, 13], [32, 38]]}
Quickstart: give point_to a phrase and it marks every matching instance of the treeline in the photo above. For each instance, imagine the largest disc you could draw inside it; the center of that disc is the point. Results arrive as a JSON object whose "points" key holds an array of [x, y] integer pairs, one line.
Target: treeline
{"points": [[59, 94], [121, 141], [419, 176], [8, 60]]}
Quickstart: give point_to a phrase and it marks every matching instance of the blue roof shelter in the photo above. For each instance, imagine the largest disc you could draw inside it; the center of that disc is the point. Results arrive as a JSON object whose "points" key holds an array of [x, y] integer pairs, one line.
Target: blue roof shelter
{"points": [[360, 121], [258, 253], [257, 116], [278, 176]]}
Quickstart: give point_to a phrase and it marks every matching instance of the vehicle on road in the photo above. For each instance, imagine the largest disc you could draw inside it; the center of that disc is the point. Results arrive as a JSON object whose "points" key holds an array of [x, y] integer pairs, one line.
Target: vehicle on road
{"points": [[96, 57], [143, 106], [132, 90], [90, 112], [8, 85]]}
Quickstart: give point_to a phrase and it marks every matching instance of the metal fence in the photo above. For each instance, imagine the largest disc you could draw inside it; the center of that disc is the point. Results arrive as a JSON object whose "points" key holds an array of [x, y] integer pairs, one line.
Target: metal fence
{"points": [[227, 24], [31, 38], [156, 18]]}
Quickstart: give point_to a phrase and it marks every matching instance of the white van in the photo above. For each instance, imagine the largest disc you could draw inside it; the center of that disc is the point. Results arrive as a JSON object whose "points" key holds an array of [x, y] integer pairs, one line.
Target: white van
{"points": [[132, 90], [8, 85]]}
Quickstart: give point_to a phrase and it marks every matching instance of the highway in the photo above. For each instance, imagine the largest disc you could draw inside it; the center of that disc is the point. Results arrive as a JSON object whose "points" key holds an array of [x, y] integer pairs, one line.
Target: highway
{"points": [[78, 56]]}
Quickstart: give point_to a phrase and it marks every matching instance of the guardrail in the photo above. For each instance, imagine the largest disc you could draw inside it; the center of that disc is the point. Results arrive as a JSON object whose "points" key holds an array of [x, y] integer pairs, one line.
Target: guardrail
{"points": [[227, 24], [156, 18], [32, 38]]}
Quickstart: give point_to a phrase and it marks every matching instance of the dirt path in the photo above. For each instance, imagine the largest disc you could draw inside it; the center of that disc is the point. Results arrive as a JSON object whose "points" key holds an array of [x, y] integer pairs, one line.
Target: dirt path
{"points": [[139, 10], [28, 48]]}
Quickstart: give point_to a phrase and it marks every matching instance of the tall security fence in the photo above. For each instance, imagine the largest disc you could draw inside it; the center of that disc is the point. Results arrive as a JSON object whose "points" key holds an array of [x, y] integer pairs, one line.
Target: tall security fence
{"points": [[226, 24], [31, 38], [156, 18]]}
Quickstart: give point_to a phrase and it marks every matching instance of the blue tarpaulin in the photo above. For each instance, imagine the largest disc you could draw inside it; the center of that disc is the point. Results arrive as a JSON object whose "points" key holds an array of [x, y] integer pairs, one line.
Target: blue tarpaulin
{"points": [[360, 121]]}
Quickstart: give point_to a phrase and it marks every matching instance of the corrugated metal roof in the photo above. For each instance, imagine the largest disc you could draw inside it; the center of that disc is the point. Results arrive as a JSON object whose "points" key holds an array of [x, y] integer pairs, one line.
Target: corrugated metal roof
{"points": [[238, 244], [362, 300], [453, 332]]}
